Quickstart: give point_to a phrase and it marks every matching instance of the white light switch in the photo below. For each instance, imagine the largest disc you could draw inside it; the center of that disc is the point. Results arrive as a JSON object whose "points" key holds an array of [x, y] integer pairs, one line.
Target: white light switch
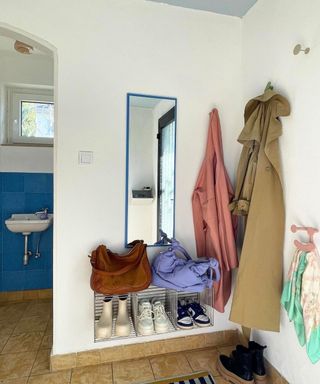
{"points": [[85, 157]]}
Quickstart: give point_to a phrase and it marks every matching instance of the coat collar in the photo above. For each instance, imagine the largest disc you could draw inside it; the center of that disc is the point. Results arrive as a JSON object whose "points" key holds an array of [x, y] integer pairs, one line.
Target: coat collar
{"points": [[280, 104], [277, 106], [266, 96]]}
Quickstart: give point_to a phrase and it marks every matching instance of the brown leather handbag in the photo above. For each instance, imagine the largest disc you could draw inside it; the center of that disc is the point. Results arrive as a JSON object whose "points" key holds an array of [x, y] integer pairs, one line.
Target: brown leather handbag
{"points": [[114, 274]]}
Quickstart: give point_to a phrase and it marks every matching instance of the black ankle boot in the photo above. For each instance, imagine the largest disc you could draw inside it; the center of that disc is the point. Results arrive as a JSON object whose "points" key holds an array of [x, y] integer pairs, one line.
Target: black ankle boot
{"points": [[238, 367], [259, 371]]}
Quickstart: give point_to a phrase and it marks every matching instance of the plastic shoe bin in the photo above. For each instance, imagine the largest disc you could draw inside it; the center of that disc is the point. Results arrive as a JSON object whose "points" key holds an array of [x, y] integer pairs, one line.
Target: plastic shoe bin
{"points": [[153, 293], [205, 298], [98, 305], [169, 297]]}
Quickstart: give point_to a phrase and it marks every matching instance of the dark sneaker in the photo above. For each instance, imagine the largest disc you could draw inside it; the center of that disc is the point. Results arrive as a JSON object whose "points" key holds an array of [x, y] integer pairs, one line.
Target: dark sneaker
{"points": [[197, 312], [184, 321]]}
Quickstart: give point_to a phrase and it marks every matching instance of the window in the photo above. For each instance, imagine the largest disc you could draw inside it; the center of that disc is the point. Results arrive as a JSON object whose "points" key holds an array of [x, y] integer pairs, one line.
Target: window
{"points": [[30, 115]]}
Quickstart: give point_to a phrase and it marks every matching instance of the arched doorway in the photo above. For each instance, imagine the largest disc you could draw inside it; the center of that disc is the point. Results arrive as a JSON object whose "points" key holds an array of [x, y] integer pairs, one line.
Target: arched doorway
{"points": [[27, 130]]}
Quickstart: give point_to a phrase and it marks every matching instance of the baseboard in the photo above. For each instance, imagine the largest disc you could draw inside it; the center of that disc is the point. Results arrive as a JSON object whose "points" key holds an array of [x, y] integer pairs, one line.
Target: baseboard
{"points": [[140, 350], [16, 296], [148, 349]]}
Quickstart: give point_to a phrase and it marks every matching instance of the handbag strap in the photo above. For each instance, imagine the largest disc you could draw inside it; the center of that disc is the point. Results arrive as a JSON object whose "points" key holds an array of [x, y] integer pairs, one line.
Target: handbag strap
{"points": [[214, 266], [177, 247]]}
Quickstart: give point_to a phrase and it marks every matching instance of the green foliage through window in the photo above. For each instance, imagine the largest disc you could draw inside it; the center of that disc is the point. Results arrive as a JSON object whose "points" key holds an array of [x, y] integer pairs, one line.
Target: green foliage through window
{"points": [[37, 119]]}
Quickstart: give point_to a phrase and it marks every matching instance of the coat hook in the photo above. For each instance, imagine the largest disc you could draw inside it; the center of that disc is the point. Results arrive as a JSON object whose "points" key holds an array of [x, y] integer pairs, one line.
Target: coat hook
{"points": [[268, 87], [308, 247], [298, 48]]}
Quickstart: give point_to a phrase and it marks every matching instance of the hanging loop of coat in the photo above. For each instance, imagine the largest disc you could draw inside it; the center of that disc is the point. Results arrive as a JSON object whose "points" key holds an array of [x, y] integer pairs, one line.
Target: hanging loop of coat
{"points": [[213, 224], [259, 197]]}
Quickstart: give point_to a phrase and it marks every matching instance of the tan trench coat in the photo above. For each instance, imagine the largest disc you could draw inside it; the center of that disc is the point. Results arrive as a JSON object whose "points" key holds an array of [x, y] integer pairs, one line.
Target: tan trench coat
{"points": [[259, 196]]}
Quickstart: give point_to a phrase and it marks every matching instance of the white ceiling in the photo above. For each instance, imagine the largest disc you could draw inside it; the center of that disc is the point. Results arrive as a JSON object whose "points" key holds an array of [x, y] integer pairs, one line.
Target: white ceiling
{"points": [[225, 7]]}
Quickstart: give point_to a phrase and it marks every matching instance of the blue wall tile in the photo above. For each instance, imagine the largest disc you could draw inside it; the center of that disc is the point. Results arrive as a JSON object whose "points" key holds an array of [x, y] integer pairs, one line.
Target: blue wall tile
{"points": [[12, 241], [13, 280], [37, 279], [25, 193], [38, 183], [0, 270], [12, 261], [12, 182], [13, 201], [38, 201]]}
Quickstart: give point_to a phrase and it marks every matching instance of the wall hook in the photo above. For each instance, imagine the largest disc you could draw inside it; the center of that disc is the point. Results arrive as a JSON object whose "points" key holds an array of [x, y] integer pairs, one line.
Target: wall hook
{"points": [[298, 48], [311, 232]]}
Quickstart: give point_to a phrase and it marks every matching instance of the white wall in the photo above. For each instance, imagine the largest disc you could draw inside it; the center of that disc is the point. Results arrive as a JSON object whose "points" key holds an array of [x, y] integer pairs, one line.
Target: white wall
{"points": [[110, 48], [26, 159], [23, 70], [271, 30]]}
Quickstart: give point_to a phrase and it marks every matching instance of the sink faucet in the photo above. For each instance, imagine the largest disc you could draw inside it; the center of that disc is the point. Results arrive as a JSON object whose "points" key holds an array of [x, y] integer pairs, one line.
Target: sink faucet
{"points": [[43, 213]]}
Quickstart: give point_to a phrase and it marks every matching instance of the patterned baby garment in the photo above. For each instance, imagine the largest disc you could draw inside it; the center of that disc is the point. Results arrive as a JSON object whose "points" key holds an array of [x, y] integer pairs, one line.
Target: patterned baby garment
{"points": [[291, 295], [310, 302], [301, 299]]}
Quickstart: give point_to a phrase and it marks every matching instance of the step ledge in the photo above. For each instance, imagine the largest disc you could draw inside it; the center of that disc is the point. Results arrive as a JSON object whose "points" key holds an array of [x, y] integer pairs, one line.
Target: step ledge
{"points": [[145, 346]]}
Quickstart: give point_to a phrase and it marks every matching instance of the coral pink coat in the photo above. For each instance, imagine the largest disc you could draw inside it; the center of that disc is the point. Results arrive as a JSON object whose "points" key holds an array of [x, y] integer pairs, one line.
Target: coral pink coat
{"points": [[213, 224]]}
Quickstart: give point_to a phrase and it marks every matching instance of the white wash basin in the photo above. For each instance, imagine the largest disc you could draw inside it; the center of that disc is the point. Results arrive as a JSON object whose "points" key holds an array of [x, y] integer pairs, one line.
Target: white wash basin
{"points": [[28, 222]]}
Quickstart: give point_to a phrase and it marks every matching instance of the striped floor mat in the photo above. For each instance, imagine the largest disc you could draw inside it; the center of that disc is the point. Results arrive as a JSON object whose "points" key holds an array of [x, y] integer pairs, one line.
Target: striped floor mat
{"points": [[195, 378]]}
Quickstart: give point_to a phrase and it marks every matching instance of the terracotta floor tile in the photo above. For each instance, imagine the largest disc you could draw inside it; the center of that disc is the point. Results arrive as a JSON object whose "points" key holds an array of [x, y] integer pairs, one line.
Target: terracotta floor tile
{"points": [[16, 365], [3, 341], [41, 365], [62, 377], [204, 360], [221, 380], [170, 365], [226, 350], [98, 374], [23, 342], [12, 312], [22, 380], [31, 324], [130, 372], [39, 308], [49, 329], [7, 327], [46, 342]]}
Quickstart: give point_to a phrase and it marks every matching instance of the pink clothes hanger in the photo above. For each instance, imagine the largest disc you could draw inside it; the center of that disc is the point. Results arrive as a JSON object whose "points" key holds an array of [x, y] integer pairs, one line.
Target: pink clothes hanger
{"points": [[305, 246]]}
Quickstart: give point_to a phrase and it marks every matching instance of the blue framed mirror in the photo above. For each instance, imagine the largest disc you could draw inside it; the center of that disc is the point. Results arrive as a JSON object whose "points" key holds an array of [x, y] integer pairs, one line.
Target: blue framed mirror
{"points": [[150, 168]]}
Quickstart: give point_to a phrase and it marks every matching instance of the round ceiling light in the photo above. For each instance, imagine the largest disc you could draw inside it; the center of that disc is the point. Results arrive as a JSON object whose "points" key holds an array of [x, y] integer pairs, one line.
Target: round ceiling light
{"points": [[23, 48]]}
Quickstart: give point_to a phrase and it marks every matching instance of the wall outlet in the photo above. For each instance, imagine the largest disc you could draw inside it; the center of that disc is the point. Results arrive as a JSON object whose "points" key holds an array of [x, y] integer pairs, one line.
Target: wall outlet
{"points": [[85, 157]]}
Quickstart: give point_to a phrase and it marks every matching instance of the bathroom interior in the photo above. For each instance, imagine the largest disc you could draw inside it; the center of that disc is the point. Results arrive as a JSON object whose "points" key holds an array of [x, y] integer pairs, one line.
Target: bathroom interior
{"points": [[26, 162], [104, 114]]}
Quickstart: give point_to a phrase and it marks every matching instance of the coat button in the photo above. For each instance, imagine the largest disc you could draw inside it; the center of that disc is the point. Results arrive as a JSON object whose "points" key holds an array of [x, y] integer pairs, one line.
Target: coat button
{"points": [[268, 168]]}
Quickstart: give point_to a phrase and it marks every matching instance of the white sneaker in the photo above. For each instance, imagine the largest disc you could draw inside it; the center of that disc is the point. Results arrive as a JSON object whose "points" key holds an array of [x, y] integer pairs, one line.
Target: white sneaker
{"points": [[161, 321], [145, 322]]}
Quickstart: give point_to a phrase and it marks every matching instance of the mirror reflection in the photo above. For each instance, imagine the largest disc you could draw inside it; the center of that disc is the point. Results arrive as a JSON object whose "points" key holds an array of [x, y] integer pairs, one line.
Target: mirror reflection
{"points": [[150, 194]]}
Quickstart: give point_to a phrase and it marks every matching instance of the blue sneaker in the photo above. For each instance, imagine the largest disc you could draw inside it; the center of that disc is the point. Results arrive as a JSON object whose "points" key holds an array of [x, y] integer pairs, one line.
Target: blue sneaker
{"points": [[197, 312], [184, 321]]}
